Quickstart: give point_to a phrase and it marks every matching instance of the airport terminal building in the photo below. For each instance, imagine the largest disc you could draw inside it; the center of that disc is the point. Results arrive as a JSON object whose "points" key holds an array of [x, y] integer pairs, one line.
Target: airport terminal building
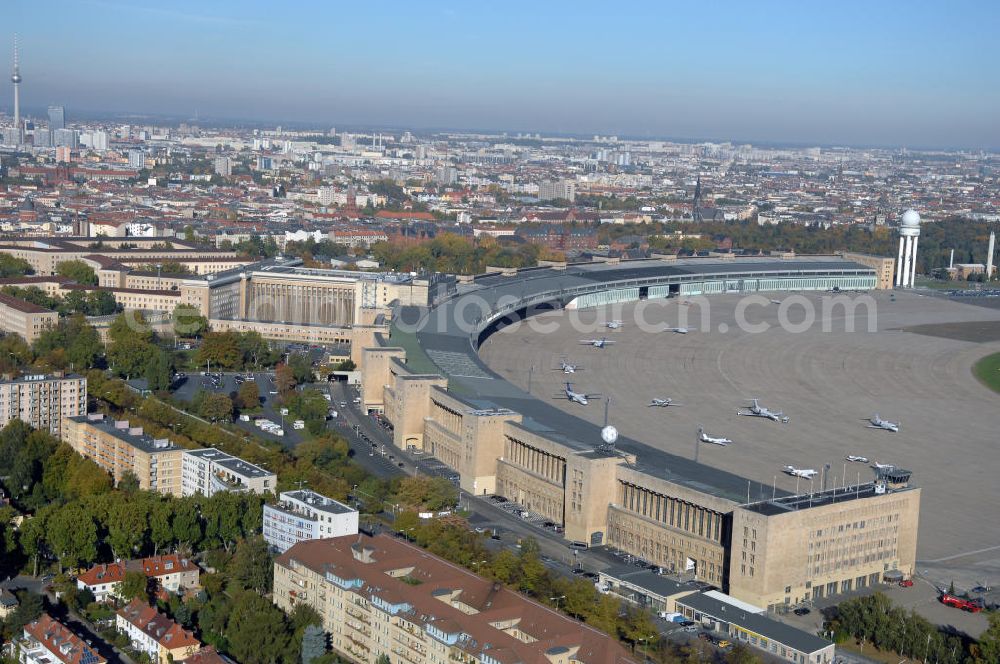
{"points": [[427, 380]]}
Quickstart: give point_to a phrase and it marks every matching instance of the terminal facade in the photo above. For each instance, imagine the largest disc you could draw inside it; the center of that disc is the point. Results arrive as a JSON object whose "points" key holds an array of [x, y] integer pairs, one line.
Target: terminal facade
{"points": [[672, 512]]}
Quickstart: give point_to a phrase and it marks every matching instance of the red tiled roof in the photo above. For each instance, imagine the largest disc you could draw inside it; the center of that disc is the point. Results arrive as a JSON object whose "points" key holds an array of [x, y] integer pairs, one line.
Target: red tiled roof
{"points": [[157, 626], [102, 574], [64, 644], [169, 564]]}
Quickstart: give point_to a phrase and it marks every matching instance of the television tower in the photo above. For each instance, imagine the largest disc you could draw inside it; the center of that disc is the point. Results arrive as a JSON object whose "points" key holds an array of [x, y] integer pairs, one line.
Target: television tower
{"points": [[15, 78]]}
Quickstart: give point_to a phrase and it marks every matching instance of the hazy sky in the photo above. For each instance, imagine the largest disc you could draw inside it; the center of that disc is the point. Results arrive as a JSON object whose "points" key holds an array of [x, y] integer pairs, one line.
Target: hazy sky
{"points": [[821, 71]]}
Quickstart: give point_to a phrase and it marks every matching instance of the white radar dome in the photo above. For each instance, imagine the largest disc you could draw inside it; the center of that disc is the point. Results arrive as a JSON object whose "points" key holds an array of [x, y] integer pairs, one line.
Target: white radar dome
{"points": [[911, 219], [609, 434]]}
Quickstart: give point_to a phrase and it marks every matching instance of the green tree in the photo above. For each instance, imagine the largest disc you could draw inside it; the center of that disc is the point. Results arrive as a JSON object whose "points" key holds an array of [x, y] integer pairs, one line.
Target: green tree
{"points": [[72, 535], [135, 585], [158, 371], [83, 343], [131, 345], [383, 659], [216, 407], [989, 642], [188, 322], [248, 396], [253, 566], [284, 379], [257, 630], [741, 654], [313, 644], [129, 483], [29, 608], [78, 271], [222, 349], [127, 526], [14, 267]]}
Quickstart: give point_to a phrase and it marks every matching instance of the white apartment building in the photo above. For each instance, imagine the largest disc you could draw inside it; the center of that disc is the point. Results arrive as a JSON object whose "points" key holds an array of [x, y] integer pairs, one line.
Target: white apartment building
{"points": [[552, 189], [208, 471], [43, 400], [306, 515]]}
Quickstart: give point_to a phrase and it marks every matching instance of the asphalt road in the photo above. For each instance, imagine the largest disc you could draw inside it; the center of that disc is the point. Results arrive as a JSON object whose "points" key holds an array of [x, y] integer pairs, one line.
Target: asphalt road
{"points": [[75, 623]]}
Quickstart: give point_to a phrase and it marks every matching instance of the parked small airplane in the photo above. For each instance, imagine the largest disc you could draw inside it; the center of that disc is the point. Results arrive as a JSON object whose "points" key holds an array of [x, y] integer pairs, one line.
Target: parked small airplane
{"points": [[883, 466], [596, 343], [807, 473], [714, 440], [878, 423], [775, 301], [614, 324], [756, 410], [855, 457], [578, 397], [568, 368], [677, 330], [663, 403]]}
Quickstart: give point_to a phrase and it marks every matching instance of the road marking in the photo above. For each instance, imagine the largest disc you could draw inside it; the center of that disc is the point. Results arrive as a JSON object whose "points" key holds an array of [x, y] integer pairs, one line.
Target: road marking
{"points": [[960, 555]]}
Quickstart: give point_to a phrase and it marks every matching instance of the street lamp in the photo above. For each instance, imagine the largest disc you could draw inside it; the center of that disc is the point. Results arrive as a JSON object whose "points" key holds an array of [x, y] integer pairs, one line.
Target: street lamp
{"points": [[557, 599]]}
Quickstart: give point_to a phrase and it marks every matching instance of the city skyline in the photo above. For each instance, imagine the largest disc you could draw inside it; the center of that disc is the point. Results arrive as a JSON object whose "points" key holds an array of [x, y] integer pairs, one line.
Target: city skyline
{"points": [[851, 75]]}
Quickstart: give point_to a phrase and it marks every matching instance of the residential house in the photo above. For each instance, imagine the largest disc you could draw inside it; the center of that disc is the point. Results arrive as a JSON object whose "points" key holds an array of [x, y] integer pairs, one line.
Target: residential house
{"points": [[155, 634]]}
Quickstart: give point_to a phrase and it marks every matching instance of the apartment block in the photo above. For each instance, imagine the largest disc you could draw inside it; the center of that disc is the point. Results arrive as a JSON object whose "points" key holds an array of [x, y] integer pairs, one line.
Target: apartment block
{"points": [[208, 471], [46, 640], [28, 320], [119, 448], [306, 515], [381, 596], [43, 400]]}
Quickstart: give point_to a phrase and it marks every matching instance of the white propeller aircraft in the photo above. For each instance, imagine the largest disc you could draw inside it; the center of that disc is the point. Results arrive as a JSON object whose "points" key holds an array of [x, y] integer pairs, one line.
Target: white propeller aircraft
{"points": [[568, 368], [807, 473], [883, 466], [855, 457], [756, 410], [578, 397], [878, 423], [663, 403], [614, 324], [714, 440], [676, 330], [596, 343]]}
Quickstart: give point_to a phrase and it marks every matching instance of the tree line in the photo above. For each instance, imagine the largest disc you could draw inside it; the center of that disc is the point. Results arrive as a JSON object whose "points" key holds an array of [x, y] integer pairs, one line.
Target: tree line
{"points": [[875, 620]]}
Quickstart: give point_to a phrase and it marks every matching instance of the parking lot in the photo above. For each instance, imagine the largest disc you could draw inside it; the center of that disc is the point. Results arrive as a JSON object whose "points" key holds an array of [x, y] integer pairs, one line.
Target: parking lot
{"points": [[228, 383]]}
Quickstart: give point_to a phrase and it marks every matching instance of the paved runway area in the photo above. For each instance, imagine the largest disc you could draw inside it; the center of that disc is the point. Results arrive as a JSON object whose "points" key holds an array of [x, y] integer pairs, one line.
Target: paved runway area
{"points": [[827, 382]]}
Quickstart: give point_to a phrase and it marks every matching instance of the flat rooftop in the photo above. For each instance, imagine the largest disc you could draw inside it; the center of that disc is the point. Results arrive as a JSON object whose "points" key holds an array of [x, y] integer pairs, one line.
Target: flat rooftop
{"points": [[235, 465], [315, 501], [769, 628], [443, 338], [134, 436]]}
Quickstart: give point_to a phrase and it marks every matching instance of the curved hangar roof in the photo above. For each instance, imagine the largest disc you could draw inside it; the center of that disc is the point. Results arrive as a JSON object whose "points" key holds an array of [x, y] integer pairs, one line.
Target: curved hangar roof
{"points": [[447, 337]]}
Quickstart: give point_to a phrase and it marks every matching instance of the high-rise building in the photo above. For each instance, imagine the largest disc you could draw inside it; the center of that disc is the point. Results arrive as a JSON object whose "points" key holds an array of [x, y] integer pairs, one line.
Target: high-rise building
{"points": [[552, 189], [66, 138], [43, 400], [119, 448], [136, 159], [57, 117], [223, 166], [42, 137]]}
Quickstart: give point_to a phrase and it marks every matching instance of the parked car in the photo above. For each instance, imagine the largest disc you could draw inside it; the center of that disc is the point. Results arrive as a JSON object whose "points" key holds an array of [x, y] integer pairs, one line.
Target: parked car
{"points": [[802, 611], [906, 583]]}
